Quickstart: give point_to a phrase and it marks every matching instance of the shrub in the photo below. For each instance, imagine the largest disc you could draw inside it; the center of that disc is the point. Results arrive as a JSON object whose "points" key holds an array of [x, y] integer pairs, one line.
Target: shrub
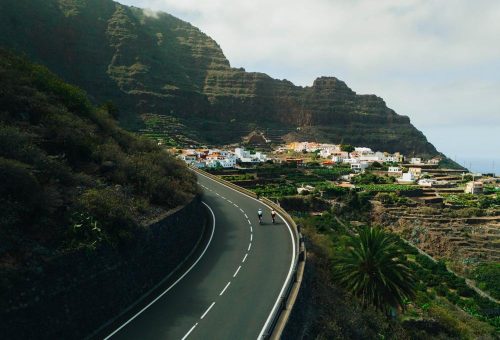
{"points": [[487, 276], [369, 178], [110, 209], [467, 212], [19, 194], [465, 291]]}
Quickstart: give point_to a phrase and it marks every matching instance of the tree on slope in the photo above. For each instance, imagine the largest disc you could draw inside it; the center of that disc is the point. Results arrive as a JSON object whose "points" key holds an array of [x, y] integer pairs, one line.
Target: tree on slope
{"points": [[374, 268]]}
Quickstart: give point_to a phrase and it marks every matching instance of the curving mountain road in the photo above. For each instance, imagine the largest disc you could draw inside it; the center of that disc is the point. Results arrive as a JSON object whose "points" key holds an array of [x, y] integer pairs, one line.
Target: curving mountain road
{"points": [[230, 287]]}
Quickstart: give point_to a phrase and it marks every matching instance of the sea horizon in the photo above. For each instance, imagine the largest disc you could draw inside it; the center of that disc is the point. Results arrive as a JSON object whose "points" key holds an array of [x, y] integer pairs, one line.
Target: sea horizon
{"points": [[480, 164]]}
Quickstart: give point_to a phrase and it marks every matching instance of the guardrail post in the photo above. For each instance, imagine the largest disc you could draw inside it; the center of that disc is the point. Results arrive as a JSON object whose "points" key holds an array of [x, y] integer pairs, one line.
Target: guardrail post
{"points": [[302, 256], [283, 304]]}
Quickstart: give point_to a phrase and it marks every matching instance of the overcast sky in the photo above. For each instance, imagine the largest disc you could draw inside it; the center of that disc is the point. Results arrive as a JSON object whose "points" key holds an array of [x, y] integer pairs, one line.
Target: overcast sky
{"points": [[437, 62]]}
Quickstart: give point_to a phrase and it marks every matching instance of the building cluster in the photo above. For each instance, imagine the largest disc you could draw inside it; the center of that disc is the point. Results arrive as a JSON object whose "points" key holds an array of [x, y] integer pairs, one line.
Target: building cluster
{"points": [[359, 159], [213, 158]]}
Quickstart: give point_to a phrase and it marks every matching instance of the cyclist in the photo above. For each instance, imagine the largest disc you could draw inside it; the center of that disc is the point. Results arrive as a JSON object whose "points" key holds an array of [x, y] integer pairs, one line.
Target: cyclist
{"points": [[273, 215], [259, 213]]}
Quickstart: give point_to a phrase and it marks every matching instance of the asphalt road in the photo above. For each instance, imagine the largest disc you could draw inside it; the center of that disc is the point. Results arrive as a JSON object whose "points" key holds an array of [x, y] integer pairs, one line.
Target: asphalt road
{"points": [[230, 286]]}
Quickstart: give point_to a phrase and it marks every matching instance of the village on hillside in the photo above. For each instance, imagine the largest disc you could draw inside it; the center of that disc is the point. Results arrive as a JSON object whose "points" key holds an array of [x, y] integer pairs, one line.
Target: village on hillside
{"points": [[354, 161]]}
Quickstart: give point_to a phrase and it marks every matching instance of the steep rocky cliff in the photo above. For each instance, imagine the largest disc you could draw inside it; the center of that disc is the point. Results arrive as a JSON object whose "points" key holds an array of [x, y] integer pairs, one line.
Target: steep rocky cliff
{"points": [[156, 63]]}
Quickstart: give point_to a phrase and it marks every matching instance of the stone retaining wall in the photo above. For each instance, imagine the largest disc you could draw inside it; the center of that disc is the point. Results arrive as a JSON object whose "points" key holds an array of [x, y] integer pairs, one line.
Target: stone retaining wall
{"points": [[70, 296]]}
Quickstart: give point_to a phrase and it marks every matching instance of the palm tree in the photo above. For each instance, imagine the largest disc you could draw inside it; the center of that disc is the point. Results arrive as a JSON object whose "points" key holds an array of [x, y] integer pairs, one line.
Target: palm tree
{"points": [[375, 269]]}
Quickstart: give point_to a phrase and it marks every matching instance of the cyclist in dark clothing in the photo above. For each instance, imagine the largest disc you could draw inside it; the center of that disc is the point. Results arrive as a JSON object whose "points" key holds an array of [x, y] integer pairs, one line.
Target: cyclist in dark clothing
{"points": [[273, 215]]}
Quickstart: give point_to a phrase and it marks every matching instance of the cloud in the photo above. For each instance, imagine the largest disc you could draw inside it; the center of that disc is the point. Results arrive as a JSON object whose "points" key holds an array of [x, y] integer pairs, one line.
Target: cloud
{"points": [[150, 13], [435, 61]]}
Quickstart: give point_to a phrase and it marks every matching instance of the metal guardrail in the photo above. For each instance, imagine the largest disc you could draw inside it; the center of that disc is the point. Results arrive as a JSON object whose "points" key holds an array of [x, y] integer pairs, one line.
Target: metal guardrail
{"points": [[289, 296]]}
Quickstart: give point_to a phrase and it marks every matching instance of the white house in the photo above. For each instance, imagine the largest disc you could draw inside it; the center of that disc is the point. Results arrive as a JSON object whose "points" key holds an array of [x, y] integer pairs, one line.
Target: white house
{"points": [[426, 182], [327, 152], [474, 187], [433, 161], [395, 170], [188, 158], [241, 153], [245, 156], [391, 158], [373, 157], [417, 172], [359, 167], [225, 163], [338, 159], [416, 161], [407, 178], [363, 150], [350, 160]]}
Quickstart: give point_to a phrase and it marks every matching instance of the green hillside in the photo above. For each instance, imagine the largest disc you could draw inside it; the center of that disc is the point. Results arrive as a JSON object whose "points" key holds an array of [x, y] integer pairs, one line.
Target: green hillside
{"points": [[163, 65], [70, 177]]}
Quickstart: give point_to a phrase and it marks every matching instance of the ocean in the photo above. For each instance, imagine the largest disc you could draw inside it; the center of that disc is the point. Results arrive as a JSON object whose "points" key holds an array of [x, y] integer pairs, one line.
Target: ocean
{"points": [[481, 165]]}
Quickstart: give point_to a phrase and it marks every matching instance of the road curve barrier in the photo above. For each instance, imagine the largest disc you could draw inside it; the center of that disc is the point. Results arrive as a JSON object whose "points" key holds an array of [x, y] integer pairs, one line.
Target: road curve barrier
{"points": [[287, 299]]}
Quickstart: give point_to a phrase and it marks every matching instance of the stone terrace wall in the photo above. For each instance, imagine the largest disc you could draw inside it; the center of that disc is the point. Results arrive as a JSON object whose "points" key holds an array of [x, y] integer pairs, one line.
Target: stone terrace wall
{"points": [[69, 297]]}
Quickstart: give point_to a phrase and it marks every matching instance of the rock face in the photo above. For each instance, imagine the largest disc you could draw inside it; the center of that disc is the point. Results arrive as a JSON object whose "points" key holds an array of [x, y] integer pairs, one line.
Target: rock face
{"points": [[156, 63]]}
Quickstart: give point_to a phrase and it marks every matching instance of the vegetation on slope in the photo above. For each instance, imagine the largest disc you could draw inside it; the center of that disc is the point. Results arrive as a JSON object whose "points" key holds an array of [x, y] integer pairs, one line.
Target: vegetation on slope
{"points": [[443, 306], [374, 268], [70, 177]]}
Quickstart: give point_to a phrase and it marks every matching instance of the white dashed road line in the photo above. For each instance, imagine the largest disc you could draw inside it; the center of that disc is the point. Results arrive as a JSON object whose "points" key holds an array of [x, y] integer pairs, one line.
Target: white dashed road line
{"points": [[189, 332], [208, 310], [239, 267], [222, 292], [236, 272]]}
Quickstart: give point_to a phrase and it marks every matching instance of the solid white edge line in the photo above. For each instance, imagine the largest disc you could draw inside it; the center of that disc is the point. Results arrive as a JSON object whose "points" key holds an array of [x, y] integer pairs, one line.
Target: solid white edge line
{"points": [[222, 292], [189, 332], [208, 310], [289, 276], [236, 272], [172, 286], [290, 271]]}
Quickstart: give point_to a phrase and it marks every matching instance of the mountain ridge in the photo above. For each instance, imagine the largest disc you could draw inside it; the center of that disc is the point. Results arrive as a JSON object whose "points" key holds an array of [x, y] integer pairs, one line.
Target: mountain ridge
{"points": [[156, 63]]}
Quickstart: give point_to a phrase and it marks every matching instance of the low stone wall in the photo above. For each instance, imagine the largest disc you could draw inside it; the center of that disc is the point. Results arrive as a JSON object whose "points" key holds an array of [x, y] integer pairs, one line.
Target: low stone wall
{"points": [[69, 297]]}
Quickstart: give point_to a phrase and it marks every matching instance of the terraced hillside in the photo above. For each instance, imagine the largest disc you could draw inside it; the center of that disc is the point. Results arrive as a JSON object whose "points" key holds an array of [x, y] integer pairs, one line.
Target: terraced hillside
{"points": [[470, 239], [158, 64]]}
